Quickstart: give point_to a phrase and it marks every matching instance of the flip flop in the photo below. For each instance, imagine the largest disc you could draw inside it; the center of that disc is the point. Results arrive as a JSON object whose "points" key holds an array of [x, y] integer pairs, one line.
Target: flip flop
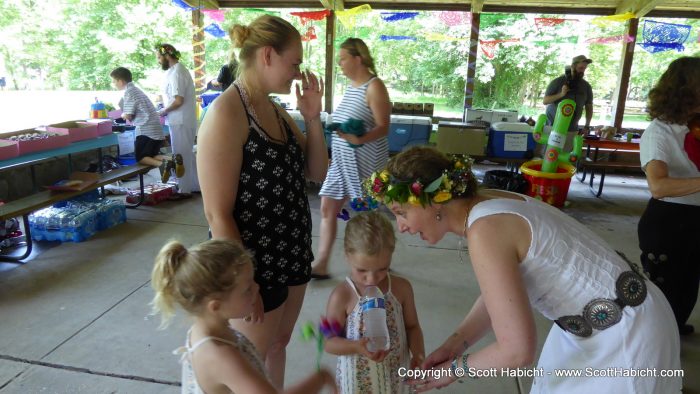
{"points": [[320, 276]]}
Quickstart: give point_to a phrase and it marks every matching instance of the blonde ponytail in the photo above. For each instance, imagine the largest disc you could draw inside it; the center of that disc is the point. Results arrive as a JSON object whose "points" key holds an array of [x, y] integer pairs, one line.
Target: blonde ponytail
{"points": [[186, 277]]}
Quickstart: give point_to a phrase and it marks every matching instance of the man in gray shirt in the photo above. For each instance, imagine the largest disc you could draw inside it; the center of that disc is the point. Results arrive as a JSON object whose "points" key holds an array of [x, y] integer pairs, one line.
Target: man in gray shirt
{"points": [[572, 86]]}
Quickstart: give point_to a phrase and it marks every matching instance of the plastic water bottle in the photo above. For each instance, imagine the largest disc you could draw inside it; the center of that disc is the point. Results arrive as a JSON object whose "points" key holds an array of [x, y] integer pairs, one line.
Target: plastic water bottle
{"points": [[374, 319]]}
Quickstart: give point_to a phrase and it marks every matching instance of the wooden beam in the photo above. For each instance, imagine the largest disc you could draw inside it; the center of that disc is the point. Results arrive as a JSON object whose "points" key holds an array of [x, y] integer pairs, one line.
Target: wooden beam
{"points": [[623, 78], [639, 7], [471, 63], [333, 5], [330, 62], [477, 6], [205, 4], [199, 50]]}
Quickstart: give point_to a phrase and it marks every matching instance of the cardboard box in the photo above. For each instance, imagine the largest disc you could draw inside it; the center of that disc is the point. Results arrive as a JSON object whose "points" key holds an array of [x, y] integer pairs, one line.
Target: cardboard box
{"points": [[483, 115], [78, 130], [461, 138], [8, 149], [428, 109], [504, 116], [153, 194], [104, 126], [76, 182], [54, 140]]}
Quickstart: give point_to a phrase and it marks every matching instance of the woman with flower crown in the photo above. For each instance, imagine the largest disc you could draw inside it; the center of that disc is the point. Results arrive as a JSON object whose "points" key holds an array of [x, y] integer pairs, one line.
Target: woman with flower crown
{"points": [[612, 325]]}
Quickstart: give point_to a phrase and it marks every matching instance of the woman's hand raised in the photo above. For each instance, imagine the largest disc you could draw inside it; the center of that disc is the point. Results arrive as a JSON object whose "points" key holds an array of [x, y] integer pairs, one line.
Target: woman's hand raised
{"points": [[310, 96]]}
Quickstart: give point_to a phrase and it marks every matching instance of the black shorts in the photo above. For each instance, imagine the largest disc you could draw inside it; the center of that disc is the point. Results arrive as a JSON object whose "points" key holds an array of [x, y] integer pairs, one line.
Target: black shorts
{"points": [[146, 147], [273, 297]]}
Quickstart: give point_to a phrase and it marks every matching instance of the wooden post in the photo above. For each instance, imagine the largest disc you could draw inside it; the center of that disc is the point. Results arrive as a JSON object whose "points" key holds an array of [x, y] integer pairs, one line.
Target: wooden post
{"points": [[198, 50], [471, 63], [623, 78], [330, 60]]}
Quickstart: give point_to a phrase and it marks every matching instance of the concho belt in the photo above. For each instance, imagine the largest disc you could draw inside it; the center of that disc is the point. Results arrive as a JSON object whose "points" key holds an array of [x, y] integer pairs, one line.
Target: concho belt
{"points": [[602, 313]]}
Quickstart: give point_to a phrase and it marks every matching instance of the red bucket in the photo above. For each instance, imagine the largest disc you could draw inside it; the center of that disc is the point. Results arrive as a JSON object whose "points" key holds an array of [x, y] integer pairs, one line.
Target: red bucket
{"points": [[549, 187]]}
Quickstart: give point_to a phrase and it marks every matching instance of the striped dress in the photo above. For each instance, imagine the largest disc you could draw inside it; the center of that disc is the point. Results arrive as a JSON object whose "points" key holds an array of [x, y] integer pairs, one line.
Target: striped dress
{"points": [[350, 166]]}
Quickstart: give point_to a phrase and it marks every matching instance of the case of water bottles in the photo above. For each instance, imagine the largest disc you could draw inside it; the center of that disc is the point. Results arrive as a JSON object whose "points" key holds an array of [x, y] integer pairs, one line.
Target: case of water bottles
{"points": [[76, 220]]}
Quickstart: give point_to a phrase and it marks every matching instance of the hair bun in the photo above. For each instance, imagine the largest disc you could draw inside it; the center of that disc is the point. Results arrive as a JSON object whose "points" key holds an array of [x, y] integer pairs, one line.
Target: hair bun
{"points": [[238, 35]]}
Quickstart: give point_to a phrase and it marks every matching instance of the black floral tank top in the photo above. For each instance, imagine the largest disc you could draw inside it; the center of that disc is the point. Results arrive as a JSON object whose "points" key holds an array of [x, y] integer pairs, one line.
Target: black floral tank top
{"points": [[272, 210]]}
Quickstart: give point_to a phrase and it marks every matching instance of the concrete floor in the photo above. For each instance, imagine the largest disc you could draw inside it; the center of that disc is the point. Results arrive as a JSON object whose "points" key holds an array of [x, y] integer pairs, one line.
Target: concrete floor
{"points": [[76, 317]]}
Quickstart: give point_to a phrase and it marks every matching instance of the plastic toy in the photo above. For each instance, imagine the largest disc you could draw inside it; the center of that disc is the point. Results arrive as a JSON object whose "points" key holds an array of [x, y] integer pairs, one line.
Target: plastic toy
{"points": [[553, 154], [326, 329]]}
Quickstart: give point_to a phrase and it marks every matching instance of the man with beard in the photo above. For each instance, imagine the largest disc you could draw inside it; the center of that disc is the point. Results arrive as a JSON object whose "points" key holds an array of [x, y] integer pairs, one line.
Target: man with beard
{"points": [[179, 107], [572, 86]]}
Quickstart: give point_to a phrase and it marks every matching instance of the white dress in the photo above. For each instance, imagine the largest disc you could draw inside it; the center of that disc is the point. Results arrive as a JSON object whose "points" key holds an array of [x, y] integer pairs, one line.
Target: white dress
{"points": [[244, 346], [566, 267], [357, 374]]}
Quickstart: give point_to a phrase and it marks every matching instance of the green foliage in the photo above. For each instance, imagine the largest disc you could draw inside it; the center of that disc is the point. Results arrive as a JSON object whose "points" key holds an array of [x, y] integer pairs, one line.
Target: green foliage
{"points": [[74, 44]]}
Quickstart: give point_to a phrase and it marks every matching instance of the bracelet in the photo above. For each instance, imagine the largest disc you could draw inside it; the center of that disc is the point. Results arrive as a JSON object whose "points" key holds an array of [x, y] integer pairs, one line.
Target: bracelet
{"points": [[465, 366]]}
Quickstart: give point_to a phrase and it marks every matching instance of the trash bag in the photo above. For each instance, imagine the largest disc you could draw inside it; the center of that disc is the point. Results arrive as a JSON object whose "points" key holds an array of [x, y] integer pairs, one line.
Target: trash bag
{"points": [[505, 180]]}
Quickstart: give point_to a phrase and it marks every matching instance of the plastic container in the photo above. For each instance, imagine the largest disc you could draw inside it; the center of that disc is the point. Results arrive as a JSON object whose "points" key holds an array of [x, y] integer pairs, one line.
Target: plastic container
{"points": [[127, 159], [374, 319], [511, 140], [551, 188], [70, 223], [405, 131]]}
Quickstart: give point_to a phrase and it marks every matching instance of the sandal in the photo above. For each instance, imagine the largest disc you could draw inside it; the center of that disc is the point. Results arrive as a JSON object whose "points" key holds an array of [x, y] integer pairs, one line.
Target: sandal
{"points": [[164, 169], [179, 166]]}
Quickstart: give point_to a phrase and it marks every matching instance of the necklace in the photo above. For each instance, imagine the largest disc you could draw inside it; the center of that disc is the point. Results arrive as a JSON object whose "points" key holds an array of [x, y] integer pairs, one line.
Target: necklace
{"points": [[462, 248]]}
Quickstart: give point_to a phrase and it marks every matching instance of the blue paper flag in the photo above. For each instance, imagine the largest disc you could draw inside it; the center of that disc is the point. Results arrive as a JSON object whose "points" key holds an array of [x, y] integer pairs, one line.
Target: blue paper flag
{"points": [[398, 16], [397, 38], [662, 36], [183, 5], [215, 30]]}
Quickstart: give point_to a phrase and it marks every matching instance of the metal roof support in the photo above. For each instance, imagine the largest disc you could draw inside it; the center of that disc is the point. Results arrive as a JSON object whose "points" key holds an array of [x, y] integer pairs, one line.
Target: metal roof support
{"points": [[330, 60], [623, 77], [471, 63]]}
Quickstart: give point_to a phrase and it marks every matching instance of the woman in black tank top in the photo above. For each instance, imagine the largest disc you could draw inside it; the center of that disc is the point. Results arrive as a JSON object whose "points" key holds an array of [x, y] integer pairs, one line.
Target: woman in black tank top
{"points": [[252, 162]]}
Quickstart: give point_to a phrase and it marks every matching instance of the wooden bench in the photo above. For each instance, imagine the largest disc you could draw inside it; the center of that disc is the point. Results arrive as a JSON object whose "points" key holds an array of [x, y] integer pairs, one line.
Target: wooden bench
{"points": [[26, 205], [587, 165]]}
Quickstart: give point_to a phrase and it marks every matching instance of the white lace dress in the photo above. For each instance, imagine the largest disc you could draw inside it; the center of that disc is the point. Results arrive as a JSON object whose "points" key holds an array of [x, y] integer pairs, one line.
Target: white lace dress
{"points": [[567, 266], [244, 346]]}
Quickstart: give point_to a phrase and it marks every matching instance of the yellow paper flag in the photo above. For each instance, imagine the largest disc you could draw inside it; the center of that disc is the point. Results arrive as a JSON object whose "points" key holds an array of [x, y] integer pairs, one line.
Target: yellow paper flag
{"points": [[347, 17], [602, 21]]}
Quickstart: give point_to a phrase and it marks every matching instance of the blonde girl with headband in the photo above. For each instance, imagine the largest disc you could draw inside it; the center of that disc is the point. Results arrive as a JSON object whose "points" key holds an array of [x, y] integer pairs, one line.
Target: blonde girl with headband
{"points": [[253, 164], [366, 99], [213, 282], [527, 256]]}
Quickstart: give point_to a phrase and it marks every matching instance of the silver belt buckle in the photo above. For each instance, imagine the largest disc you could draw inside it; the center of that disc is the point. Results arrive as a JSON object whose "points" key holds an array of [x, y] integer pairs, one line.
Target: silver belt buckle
{"points": [[602, 313]]}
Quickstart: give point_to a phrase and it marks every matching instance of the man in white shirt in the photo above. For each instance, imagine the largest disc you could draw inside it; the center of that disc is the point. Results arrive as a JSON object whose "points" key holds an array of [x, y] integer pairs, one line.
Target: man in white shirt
{"points": [[179, 107]]}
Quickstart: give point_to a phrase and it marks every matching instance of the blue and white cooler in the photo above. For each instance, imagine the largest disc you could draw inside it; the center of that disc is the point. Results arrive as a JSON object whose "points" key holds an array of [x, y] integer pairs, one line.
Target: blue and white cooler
{"points": [[511, 140], [405, 131]]}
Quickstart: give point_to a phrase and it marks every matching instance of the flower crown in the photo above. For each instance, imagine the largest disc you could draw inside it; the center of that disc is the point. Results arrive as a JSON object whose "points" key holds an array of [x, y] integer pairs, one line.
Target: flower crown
{"points": [[454, 182]]}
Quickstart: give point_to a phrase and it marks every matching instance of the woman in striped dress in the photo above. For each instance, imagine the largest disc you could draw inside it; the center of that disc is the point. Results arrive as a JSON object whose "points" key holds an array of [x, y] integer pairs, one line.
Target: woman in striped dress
{"points": [[366, 99]]}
